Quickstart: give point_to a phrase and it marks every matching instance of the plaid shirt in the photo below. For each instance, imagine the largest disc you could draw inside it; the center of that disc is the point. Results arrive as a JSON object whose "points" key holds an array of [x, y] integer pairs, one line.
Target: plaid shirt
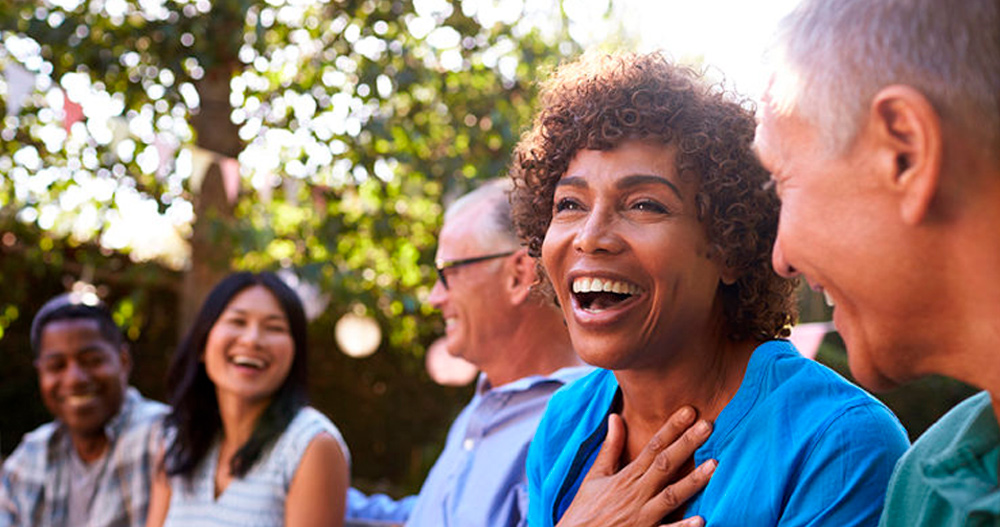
{"points": [[35, 478]]}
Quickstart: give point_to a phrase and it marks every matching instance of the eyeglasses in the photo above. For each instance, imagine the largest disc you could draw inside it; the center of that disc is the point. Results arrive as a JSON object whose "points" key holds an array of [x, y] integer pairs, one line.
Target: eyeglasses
{"points": [[442, 265]]}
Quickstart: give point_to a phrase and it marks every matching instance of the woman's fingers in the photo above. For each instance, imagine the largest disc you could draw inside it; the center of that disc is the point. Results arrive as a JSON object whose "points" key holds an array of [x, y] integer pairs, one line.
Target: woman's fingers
{"points": [[606, 463], [676, 494], [645, 490], [676, 453], [664, 438], [695, 521]]}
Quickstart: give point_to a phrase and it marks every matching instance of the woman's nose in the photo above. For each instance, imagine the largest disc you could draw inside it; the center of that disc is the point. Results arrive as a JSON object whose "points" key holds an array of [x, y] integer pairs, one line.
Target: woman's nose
{"points": [[598, 233], [251, 333]]}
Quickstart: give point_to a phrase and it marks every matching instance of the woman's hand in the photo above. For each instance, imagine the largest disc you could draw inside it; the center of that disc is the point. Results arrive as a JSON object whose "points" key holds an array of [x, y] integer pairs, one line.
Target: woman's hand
{"points": [[648, 488]]}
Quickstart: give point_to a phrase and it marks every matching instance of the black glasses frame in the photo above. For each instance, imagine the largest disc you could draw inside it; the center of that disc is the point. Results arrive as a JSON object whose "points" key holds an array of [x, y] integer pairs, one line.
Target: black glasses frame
{"points": [[441, 265]]}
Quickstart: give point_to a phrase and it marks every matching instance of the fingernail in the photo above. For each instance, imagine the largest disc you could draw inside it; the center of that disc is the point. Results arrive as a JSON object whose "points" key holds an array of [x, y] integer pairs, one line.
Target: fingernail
{"points": [[687, 414], [703, 428], [709, 466]]}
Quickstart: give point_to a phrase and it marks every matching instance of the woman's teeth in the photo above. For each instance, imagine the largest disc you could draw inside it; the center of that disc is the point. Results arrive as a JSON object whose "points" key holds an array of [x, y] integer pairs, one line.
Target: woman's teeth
{"points": [[252, 362], [596, 285]]}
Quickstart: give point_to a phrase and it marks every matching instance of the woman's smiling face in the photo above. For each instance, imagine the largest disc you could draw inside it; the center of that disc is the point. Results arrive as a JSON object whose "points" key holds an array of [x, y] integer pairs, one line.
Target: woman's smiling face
{"points": [[250, 349], [629, 258]]}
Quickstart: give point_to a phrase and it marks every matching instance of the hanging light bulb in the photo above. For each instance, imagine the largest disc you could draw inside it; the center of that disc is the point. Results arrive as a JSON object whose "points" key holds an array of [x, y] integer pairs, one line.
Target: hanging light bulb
{"points": [[357, 335]]}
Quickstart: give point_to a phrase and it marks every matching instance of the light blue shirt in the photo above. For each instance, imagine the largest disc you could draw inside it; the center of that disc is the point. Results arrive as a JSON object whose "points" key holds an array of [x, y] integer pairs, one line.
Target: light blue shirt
{"points": [[479, 479], [797, 445]]}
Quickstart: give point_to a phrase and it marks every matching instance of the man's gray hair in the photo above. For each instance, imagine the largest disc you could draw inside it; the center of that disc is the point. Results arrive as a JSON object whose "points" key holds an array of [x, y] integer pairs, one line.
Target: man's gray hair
{"points": [[833, 56], [493, 199]]}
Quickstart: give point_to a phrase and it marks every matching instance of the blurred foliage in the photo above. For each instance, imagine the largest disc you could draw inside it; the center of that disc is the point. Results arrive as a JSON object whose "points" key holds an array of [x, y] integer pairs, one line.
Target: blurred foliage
{"points": [[352, 120]]}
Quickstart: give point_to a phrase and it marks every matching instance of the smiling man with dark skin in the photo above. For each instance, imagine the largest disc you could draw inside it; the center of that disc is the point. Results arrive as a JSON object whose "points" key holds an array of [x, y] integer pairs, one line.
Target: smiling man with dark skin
{"points": [[881, 127], [90, 466]]}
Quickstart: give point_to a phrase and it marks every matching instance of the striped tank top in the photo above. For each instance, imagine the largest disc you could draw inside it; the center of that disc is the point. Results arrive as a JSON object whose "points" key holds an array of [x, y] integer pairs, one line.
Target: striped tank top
{"points": [[258, 498]]}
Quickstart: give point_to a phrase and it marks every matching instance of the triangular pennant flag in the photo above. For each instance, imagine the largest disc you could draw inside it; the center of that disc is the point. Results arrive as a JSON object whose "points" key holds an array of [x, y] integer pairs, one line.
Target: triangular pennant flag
{"points": [[20, 83], [166, 149], [201, 160], [72, 113], [807, 337], [230, 177]]}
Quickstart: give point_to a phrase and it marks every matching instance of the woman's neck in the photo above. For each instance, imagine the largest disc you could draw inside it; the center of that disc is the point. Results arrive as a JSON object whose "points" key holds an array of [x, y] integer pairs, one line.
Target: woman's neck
{"points": [[706, 379], [239, 417]]}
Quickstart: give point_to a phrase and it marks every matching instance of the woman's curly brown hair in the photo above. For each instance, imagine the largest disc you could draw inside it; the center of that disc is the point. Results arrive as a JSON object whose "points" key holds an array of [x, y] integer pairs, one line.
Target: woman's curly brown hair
{"points": [[599, 102]]}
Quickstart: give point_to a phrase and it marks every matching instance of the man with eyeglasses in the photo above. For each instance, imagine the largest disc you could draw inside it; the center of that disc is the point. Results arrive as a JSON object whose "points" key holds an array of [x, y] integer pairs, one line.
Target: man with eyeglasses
{"points": [[92, 465], [496, 319]]}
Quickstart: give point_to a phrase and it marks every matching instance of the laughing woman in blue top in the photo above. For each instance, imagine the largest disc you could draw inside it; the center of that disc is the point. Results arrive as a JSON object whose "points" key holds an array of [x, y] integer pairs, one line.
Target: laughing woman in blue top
{"points": [[638, 190]]}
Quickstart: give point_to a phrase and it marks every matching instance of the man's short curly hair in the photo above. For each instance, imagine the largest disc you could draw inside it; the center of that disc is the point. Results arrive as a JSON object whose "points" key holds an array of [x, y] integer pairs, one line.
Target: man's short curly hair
{"points": [[600, 101]]}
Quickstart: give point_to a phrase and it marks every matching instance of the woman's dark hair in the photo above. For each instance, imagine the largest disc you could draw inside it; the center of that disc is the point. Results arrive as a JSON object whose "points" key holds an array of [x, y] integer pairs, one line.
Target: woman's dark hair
{"points": [[600, 101], [195, 410]]}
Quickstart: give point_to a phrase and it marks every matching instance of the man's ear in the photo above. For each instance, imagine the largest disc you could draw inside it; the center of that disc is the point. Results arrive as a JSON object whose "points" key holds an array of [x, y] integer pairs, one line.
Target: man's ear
{"points": [[125, 357], [521, 277], [908, 129]]}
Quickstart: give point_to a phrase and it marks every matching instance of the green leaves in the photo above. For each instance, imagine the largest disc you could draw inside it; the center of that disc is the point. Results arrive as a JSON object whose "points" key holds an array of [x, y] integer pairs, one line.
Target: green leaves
{"points": [[351, 119]]}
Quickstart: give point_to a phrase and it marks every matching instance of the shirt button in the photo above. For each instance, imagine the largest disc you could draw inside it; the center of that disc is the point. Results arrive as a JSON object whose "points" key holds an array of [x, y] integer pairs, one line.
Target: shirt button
{"points": [[468, 444]]}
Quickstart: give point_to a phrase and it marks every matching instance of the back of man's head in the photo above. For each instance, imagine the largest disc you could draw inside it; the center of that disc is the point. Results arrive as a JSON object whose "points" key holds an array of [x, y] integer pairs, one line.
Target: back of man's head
{"points": [[72, 307], [833, 56], [491, 201]]}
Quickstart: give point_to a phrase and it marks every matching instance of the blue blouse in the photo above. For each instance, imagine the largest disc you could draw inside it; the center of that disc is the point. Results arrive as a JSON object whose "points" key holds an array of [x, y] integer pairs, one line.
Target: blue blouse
{"points": [[797, 445]]}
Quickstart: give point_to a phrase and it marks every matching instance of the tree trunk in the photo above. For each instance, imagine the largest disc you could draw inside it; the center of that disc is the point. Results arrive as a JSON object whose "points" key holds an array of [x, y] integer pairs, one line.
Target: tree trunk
{"points": [[211, 240]]}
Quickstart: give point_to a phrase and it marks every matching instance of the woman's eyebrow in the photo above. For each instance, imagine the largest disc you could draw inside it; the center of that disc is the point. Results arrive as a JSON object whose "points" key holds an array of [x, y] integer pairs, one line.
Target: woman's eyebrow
{"points": [[572, 181], [244, 312], [635, 180]]}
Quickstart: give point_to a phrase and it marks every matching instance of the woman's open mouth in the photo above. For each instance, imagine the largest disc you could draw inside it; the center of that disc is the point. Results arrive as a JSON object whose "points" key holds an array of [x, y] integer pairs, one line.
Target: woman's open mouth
{"points": [[599, 294]]}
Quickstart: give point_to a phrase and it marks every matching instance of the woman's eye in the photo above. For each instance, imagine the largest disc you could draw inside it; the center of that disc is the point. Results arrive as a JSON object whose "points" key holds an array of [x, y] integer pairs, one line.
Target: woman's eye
{"points": [[649, 206], [564, 204]]}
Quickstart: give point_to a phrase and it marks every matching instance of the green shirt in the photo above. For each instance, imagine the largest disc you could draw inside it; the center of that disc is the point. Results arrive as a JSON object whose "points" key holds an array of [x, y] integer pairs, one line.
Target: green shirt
{"points": [[949, 476]]}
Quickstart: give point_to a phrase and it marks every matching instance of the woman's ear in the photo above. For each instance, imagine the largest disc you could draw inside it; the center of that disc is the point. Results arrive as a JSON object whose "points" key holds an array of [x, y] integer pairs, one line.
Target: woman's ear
{"points": [[727, 275], [908, 130]]}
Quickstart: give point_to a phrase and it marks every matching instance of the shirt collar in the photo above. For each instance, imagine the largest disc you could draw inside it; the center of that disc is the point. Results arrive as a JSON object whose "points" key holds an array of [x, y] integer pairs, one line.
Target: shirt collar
{"points": [[117, 423], [966, 470], [562, 376]]}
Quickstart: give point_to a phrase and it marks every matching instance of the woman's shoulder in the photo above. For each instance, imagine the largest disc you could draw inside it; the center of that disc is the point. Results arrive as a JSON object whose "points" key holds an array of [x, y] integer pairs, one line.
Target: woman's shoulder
{"points": [[783, 368], [596, 388], [577, 408], [307, 424], [805, 390]]}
